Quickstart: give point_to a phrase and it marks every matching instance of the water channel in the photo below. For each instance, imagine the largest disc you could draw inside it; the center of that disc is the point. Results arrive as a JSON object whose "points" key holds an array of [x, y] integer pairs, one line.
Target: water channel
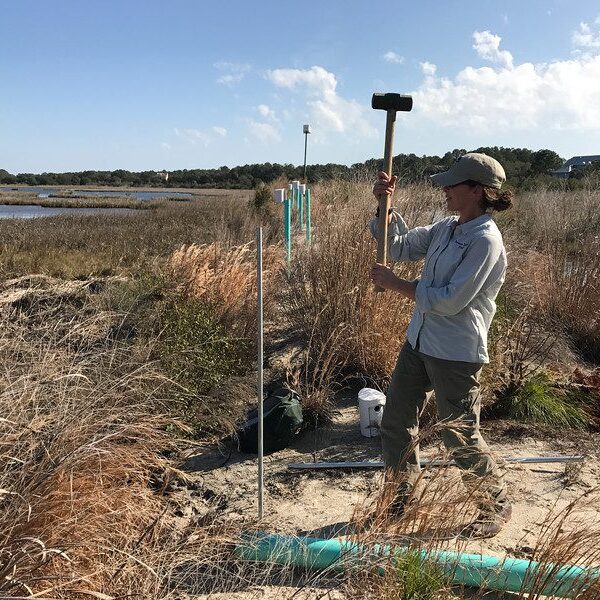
{"points": [[31, 211], [44, 192]]}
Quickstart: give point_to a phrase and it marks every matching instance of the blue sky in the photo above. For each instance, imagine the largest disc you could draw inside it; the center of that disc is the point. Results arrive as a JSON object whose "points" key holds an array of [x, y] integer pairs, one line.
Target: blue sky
{"points": [[195, 84]]}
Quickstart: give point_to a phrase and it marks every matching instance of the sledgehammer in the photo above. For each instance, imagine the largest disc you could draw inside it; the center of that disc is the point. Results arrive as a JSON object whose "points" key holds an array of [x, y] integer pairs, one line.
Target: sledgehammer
{"points": [[391, 103]]}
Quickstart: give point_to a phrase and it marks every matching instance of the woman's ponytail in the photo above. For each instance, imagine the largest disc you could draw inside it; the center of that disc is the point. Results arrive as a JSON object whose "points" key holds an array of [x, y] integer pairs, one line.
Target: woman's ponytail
{"points": [[494, 199]]}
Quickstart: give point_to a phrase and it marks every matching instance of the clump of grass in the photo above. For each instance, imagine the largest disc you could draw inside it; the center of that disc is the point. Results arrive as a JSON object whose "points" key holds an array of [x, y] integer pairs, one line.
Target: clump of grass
{"points": [[417, 579], [83, 435], [224, 280], [539, 401]]}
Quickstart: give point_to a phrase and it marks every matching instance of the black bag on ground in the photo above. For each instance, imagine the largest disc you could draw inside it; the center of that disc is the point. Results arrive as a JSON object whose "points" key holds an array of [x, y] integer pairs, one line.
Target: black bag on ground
{"points": [[282, 420]]}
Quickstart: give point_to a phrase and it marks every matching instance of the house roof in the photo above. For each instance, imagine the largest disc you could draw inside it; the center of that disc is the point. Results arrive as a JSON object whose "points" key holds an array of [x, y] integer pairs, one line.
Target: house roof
{"points": [[577, 161]]}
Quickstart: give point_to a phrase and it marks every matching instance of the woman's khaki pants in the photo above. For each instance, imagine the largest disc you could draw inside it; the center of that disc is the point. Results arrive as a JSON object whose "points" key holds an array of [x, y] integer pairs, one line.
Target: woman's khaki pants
{"points": [[456, 386]]}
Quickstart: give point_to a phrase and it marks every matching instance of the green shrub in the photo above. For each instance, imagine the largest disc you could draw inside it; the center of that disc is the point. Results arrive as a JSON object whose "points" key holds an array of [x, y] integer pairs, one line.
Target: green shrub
{"points": [[538, 400], [262, 205], [196, 349]]}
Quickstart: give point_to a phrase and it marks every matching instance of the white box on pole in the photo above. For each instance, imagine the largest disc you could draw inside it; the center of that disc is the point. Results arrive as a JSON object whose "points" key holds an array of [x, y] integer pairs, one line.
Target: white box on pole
{"points": [[295, 184], [279, 195]]}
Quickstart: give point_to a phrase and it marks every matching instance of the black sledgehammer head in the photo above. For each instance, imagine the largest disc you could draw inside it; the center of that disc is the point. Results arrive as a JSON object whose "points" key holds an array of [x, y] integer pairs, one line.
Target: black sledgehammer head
{"points": [[397, 102]]}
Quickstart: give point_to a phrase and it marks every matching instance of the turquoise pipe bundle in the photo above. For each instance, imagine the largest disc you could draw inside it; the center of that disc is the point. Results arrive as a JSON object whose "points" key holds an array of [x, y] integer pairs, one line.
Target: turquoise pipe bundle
{"points": [[471, 570], [287, 228]]}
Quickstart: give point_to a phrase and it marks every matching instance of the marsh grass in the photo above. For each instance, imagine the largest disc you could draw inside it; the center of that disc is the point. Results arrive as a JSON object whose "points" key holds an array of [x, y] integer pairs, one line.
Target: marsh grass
{"points": [[80, 246], [71, 201], [556, 253], [329, 284]]}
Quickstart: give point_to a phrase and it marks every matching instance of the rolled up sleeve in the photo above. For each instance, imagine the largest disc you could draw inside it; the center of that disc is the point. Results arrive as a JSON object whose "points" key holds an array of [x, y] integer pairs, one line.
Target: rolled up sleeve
{"points": [[466, 282], [404, 244]]}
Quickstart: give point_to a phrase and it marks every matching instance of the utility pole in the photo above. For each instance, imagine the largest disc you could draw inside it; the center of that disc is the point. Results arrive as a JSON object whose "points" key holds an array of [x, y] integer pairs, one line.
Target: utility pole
{"points": [[306, 131]]}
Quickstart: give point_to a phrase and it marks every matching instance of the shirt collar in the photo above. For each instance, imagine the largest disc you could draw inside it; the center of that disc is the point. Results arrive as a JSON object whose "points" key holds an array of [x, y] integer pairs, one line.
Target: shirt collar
{"points": [[472, 224]]}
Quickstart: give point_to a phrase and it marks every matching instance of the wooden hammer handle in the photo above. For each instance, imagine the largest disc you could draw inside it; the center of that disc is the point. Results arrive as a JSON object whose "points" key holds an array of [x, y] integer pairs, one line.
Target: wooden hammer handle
{"points": [[385, 199]]}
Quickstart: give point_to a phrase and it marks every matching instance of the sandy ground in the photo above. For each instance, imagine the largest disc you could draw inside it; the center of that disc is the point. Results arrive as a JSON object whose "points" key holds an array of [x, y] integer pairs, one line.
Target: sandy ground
{"points": [[321, 504]]}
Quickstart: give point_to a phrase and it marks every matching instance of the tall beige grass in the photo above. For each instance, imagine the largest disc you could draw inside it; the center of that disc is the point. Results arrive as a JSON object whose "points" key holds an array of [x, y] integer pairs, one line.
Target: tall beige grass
{"points": [[82, 436], [555, 255], [225, 280], [330, 293]]}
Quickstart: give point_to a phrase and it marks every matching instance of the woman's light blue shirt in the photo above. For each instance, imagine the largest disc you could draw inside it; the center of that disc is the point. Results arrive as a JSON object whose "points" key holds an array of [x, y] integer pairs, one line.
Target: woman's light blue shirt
{"points": [[464, 268]]}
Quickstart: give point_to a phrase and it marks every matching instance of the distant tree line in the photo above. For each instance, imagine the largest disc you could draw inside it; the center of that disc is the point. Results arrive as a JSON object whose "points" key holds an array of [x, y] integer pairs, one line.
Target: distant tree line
{"points": [[524, 168]]}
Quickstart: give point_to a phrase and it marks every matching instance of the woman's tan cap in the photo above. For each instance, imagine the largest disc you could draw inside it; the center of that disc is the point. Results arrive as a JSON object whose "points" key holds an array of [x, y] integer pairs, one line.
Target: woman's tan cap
{"points": [[475, 167]]}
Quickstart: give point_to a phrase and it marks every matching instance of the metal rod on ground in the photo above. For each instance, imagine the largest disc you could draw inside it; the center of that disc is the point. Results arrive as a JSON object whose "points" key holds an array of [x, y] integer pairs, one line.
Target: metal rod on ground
{"points": [[259, 287], [374, 464]]}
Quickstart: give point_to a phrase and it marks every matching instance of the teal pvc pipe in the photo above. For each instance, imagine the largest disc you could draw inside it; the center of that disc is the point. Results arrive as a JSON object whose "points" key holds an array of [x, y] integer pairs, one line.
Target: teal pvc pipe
{"points": [[287, 229], [308, 224], [472, 570], [301, 210]]}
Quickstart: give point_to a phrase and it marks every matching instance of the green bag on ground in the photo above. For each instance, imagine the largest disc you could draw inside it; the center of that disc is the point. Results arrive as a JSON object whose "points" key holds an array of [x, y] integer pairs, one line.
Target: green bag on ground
{"points": [[282, 420]]}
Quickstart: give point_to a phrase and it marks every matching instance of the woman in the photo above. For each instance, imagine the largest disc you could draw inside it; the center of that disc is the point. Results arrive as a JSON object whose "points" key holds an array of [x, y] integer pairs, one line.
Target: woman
{"points": [[446, 347]]}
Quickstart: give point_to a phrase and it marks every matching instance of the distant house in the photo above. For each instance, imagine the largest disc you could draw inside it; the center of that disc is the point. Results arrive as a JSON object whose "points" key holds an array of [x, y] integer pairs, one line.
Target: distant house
{"points": [[575, 164]]}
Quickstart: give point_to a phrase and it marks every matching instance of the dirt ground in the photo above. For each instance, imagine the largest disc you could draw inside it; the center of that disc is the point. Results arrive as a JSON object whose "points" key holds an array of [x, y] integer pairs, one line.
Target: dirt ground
{"points": [[321, 503]]}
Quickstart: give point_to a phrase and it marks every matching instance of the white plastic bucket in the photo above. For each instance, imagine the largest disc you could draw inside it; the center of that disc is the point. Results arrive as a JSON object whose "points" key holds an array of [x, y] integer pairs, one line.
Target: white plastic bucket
{"points": [[370, 408]]}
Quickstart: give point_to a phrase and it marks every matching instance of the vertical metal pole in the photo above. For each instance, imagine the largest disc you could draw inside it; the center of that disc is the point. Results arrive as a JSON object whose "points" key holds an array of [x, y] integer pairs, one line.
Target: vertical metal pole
{"points": [[259, 287], [305, 143], [308, 232]]}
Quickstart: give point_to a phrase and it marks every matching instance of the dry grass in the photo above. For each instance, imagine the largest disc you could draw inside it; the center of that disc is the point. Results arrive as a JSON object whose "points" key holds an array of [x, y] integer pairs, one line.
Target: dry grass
{"points": [[555, 255], [224, 280], [82, 432], [330, 287], [85, 432]]}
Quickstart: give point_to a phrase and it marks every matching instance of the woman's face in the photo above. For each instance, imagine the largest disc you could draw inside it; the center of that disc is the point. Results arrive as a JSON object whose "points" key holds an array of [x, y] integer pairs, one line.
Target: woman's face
{"points": [[462, 197]]}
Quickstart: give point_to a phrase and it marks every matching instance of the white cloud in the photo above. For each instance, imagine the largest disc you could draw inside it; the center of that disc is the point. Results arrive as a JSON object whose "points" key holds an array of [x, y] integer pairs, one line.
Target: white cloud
{"points": [[264, 132], [487, 46], [230, 79], [392, 57], [328, 110], [233, 72], [200, 136], [428, 69], [586, 37], [266, 111], [166, 145], [557, 95]]}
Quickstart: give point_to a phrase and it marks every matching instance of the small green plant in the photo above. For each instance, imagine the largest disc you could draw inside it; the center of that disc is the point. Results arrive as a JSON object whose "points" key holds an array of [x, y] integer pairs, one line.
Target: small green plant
{"points": [[540, 401], [419, 579], [262, 204]]}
